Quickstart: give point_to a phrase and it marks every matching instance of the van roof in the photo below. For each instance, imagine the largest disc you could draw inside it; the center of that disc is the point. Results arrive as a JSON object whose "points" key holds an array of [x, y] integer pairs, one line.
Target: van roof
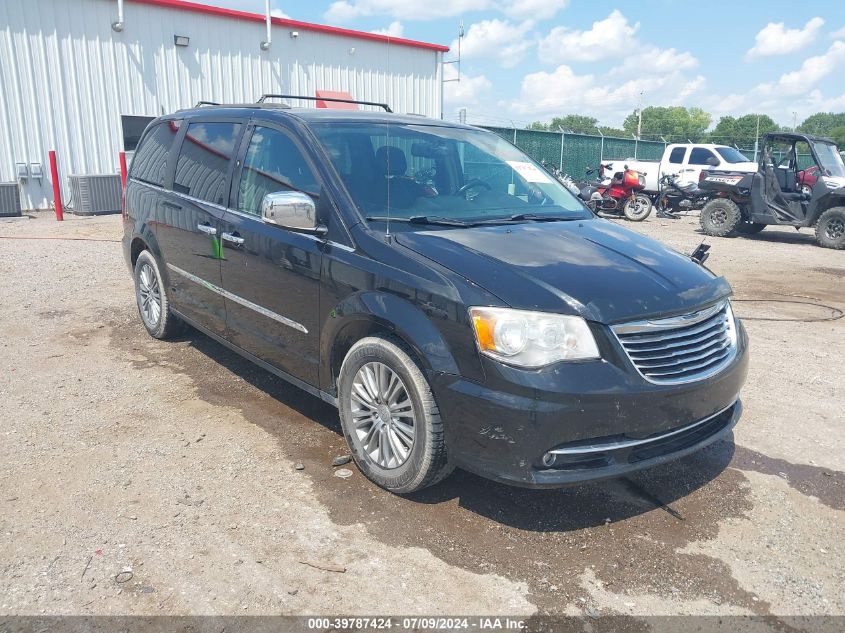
{"points": [[311, 115]]}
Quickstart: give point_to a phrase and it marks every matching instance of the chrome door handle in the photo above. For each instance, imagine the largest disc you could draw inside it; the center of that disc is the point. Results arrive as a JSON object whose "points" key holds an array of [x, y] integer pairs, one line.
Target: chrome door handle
{"points": [[234, 239], [207, 229]]}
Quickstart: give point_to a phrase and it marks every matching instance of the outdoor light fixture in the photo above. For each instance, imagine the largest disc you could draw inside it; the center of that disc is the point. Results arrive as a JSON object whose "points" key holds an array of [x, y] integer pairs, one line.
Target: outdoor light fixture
{"points": [[294, 34], [181, 40]]}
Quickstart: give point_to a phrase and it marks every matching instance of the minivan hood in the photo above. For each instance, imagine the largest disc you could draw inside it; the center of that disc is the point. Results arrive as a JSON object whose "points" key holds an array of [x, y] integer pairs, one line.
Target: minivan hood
{"points": [[593, 268]]}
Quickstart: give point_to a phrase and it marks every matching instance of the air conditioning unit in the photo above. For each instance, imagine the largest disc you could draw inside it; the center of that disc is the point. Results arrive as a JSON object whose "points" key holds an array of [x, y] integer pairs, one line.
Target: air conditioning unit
{"points": [[94, 194], [10, 200]]}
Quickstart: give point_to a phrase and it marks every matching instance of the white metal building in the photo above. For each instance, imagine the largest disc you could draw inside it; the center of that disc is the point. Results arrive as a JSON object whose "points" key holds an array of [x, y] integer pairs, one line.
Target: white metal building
{"points": [[72, 81]]}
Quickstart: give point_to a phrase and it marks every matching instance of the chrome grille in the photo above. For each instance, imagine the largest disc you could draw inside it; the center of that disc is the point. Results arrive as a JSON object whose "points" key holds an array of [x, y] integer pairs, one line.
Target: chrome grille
{"points": [[681, 349]]}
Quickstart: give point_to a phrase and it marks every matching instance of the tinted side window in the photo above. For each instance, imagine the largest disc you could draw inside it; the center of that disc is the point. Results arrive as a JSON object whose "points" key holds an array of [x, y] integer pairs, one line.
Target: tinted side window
{"points": [[150, 162], [699, 156], [677, 155], [204, 160], [133, 128], [273, 163]]}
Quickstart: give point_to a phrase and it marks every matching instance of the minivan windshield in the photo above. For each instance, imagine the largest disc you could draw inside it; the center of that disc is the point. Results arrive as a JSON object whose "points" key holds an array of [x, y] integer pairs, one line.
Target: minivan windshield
{"points": [[443, 174], [732, 156], [830, 159]]}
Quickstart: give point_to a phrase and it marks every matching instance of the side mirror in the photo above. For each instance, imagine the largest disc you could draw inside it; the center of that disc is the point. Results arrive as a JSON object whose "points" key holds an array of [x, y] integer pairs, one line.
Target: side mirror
{"points": [[713, 161], [291, 210]]}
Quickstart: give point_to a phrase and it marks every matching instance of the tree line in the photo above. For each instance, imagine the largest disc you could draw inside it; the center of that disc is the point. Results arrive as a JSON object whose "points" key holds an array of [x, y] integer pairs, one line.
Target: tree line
{"points": [[679, 124]]}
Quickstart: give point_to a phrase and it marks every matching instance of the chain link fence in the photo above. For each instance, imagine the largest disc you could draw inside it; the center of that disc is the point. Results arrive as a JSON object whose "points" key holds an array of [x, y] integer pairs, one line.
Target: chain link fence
{"points": [[575, 153]]}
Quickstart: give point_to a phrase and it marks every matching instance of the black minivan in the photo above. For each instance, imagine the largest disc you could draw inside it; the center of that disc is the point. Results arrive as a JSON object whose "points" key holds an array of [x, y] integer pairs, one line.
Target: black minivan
{"points": [[454, 301]]}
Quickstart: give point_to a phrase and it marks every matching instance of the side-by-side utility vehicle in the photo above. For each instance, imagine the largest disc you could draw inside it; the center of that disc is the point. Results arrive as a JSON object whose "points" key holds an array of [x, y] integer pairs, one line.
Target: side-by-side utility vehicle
{"points": [[777, 194], [458, 305]]}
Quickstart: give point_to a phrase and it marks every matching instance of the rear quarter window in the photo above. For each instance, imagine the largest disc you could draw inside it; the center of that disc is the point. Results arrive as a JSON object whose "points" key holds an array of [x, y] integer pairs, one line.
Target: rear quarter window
{"points": [[150, 162], [203, 165], [677, 155]]}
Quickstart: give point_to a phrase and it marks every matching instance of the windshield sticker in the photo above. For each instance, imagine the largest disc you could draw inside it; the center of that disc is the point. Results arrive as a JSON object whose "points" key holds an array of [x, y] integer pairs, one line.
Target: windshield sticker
{"points": [[529, 171]]}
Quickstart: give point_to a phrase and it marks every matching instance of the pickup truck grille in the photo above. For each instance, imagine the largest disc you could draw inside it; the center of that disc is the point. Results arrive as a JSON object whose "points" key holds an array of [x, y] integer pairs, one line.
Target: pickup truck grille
{"points": [[681, 349]]}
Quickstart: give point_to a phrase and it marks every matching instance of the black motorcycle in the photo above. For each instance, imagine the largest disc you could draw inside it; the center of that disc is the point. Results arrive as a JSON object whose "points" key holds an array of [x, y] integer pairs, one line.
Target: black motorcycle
{"points": [[674, 197]]}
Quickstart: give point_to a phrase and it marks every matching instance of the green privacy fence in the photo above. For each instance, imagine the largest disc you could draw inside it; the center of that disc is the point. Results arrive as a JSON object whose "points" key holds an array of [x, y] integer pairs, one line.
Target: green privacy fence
{"points": [[575, 153]]}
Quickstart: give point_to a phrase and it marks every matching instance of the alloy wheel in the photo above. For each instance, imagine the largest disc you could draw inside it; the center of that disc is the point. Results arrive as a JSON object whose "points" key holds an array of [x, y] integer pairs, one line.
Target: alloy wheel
{"points": [[835, 229], [149, 296], [382, 415]]}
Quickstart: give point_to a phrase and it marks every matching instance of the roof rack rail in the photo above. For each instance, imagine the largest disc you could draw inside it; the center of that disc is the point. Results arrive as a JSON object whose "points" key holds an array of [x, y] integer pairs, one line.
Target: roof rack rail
{"points": [[332, 99], [209, 103]]}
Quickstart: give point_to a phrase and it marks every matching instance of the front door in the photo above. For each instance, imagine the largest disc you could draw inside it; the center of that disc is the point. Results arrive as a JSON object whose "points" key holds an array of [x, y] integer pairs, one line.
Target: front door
{"points": [[781, 189], [271, 276], [191, 221]]}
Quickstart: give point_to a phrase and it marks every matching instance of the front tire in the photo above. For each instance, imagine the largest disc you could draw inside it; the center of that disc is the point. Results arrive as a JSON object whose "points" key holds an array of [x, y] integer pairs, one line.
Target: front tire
{"points": [[389, 417], [720, 217], [152, 299], [830, 229], [637, 208]]}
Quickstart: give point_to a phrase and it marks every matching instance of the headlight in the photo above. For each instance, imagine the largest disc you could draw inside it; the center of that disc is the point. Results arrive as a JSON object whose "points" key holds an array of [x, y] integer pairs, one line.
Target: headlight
{"points": [[732, 327], [531, 339]]}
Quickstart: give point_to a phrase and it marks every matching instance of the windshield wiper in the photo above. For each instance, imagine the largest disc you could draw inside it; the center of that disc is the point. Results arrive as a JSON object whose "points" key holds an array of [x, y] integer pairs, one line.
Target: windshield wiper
{"points": [[422, 219], [529, 217]]}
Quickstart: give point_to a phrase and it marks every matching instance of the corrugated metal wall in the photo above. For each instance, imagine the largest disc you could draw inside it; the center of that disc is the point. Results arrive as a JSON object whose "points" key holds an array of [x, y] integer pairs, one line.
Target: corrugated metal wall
{"points": [[67, 77]]}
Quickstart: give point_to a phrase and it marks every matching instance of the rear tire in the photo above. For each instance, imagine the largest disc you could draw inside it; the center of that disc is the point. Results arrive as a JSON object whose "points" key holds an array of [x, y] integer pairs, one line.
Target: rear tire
{"points": [[830, 229], [376, 372], [720, 217], [749, 228], [152, 299], [638, 208]]}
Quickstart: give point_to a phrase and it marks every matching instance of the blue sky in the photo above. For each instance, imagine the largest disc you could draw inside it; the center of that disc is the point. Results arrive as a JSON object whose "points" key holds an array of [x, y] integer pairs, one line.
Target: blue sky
{"points": [[526, 60]]}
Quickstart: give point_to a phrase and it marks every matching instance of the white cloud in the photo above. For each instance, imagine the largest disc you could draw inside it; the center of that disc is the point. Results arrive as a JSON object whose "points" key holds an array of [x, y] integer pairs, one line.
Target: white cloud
{"points": [[838, 34], [607, 38], [532, 9], [500, 40], [348, 10], [468, 92], [796, 91], [278, 13], [811, 72], [394, 29], [776, 39], [546, 94]]}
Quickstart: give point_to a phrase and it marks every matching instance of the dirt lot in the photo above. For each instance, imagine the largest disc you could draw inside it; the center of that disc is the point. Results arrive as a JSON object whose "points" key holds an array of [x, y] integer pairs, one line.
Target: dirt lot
{"points": [[176, 461]]}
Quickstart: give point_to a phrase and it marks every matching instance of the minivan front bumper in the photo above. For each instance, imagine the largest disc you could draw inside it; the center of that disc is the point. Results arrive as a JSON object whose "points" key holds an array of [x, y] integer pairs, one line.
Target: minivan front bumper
{"points": [[580, 422]]}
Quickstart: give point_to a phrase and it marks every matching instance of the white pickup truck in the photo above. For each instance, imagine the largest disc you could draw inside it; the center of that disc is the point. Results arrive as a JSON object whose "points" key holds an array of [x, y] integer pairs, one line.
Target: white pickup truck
{"points": [[686, 160]]}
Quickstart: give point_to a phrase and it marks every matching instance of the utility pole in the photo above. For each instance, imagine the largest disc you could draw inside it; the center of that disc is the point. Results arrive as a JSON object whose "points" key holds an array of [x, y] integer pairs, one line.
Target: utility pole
{"points": [[640, 116], [443, 64], [757, 139], [794, 121]]}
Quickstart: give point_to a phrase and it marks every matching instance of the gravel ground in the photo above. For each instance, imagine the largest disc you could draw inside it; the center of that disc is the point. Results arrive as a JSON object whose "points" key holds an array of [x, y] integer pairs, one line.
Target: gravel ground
{"points": [[144, 477]]}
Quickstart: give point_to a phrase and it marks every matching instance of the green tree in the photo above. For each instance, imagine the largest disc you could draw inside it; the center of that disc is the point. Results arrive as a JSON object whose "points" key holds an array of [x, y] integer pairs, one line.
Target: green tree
{"points": [[838, 136], [577, 123], [613, 131], [538, 125], [822, 123], [674, 123], [741, 131]]}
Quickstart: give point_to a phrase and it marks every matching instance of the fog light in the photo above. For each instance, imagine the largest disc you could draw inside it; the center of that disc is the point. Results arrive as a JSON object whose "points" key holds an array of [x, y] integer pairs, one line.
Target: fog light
{"points": [[549, 459]]}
